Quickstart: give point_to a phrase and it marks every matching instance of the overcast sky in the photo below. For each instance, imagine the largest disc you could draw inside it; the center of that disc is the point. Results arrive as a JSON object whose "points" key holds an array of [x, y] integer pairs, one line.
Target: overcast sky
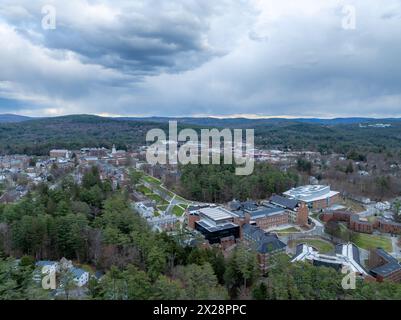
{"points": [[296, 58]]}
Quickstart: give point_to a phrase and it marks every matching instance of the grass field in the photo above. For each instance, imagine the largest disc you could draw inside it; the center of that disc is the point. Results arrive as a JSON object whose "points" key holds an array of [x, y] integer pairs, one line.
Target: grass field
{"points": [[372, 219], [178, 211], [287, 230], [170, 194], [353, 205], [162, 207], [369, 241], [144, 190], [157, 198], [151, 179], [320, 245]]}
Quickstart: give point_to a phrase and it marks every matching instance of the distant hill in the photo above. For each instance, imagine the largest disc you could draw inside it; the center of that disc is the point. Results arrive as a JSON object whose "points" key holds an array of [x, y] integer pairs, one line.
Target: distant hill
{"points": [[8, 117], [244, 122], [39, 135]]}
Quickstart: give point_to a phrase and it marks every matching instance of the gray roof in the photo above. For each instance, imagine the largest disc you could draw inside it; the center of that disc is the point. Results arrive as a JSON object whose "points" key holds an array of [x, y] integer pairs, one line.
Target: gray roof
{"points": [[43, 263], [389, 267], [270, 243], [262, 242], [299, 250], [235, 205], [265, 212], [77, 272], [284, 202], [249, 205], [214, 228]]}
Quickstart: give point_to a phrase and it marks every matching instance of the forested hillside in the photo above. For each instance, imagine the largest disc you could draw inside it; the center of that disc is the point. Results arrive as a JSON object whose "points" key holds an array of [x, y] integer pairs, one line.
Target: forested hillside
{"points": [[40, 135], [211, 183]]}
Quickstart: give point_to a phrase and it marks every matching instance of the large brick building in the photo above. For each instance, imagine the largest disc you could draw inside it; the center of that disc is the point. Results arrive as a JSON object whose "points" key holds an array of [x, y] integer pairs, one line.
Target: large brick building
{"points": [[388, 226], [314, 196], [352, 219], [355, 223], [214, 223], [265, 244], [384, 267], [272, 213]]}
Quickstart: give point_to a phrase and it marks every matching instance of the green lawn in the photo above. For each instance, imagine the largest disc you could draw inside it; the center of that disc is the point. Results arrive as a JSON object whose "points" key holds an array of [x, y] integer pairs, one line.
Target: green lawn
{"points": [[162, 207], [151, 179], [320, 245], [144, 190], [372, 219], [369, 241], [178, 211], [287, 230], [157, 198], [170, 194]]}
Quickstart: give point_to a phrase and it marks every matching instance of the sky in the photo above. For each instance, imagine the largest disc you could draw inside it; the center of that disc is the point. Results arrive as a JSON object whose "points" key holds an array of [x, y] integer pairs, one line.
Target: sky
{"points": [[226, 58]]}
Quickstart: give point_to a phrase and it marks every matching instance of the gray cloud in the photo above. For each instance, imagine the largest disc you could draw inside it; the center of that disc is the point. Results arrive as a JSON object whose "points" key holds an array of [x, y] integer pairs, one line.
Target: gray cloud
{"points": [[202, 58]]}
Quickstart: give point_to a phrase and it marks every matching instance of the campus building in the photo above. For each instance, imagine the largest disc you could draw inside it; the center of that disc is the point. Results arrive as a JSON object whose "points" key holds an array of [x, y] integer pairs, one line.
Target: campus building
{"points": [[355, 223], [314, 196], [265, 244], [384, 266], [387, 226], [346, 255], [214, 223], [270, 214]]}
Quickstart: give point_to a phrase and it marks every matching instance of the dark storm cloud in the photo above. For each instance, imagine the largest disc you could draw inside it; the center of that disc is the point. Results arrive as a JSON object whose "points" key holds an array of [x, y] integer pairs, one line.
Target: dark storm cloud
{"points": [[202, 58]]}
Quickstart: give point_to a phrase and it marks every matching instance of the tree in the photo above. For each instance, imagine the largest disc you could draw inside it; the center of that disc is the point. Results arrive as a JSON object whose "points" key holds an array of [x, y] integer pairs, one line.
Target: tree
{"points": [[260, 291], [156, 262], [242, 269], [165, 288], [304, 165], [200, 282], [135, 176], [350, 168], [67, 282]]}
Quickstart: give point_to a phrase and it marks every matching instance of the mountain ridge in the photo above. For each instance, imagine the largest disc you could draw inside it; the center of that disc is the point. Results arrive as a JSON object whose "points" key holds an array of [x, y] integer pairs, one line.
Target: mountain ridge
{"points": [[210, 121]]}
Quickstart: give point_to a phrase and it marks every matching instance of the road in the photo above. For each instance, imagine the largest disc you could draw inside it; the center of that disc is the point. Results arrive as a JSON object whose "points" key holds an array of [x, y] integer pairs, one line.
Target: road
{"points": [[396, 248]]}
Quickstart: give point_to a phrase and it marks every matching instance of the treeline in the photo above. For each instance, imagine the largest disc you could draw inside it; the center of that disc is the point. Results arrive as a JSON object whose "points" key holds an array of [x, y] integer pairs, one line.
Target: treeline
{"points": [[327, 139], [91, 224], [218, 183], [38, 137], [303, 281]]}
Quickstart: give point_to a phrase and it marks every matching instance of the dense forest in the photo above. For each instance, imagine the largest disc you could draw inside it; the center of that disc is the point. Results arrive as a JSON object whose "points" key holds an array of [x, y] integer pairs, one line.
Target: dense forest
{"points": [[38, 136], [95, 226], [212, 183], [91, 224]]}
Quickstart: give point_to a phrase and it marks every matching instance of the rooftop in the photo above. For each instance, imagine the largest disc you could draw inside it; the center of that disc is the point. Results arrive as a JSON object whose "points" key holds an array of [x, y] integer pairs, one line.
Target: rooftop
{"points": [[284, 202], [264, 212], [213, 228], [216, 213], [346, 255], [389, 267], [262, 242], [310, 193]]}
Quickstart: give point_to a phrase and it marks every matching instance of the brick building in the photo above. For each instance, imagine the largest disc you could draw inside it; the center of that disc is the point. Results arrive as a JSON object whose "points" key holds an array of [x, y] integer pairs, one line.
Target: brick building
{"points": [[266, 245], [359, 225], [314, 196], [384, 267], [352, 219], [388, 226]]}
